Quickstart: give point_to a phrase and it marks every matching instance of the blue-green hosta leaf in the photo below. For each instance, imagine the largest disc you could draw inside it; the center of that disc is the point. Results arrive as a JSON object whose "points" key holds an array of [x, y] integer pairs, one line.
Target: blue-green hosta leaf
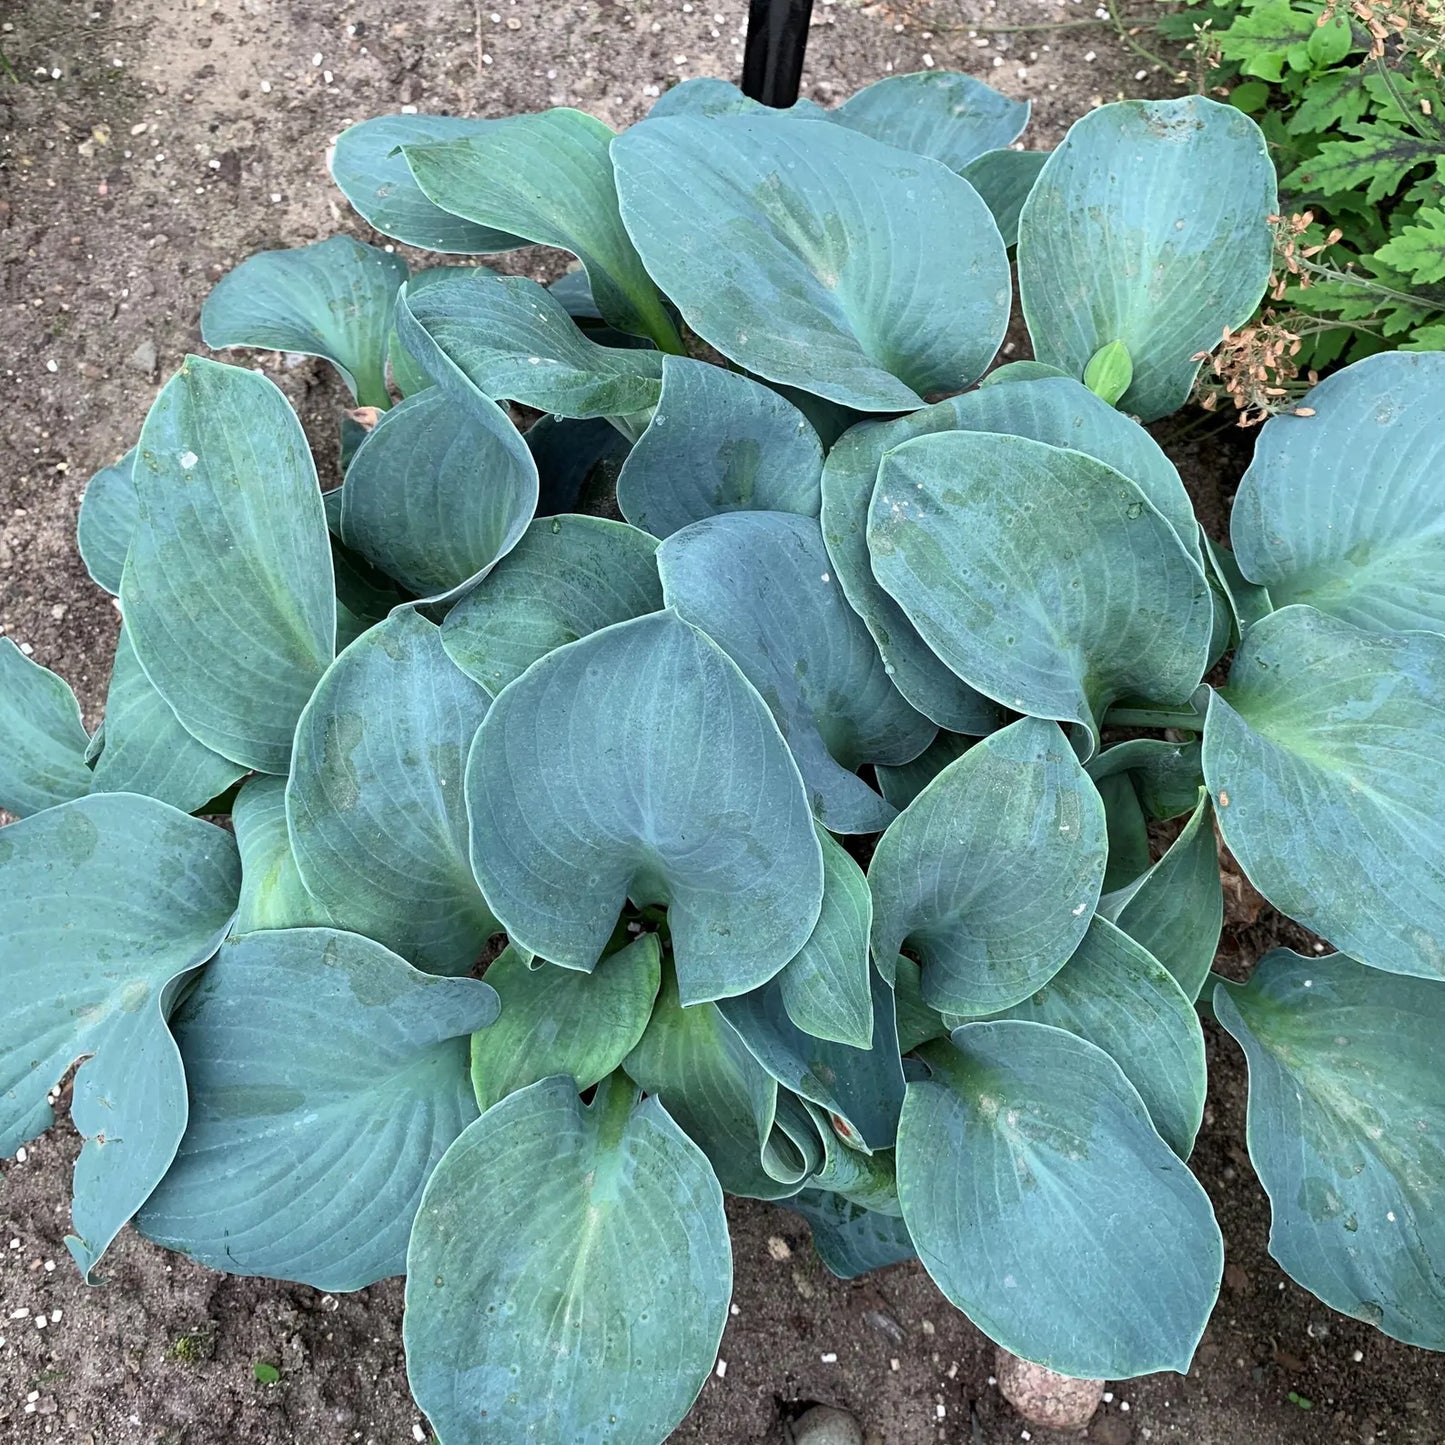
{"points": [[902, 784], [1345, 509], [1029, 370], [718, 442], [991, 874], [1148, 225], [1004, 179], [825, 985], [1323, 756], [106, 520], [375, 799], [558, 1021], [43, 742], [1128, 832], [574, 290], [272, 893], [1044, 577], [917, 1022], [706, 95], [110, 901], [228, 589], [578, 462], [1246, 601], [670, 783], [865, 1178], [567, 578], [1116, 994], [146, 750], [1048, 1209], [760, 584], [407, 373], [333, 299], [548, 177], [438, 491], [941, 114], [327, 1077], [1346, 1113], [810, 255], [580, 1295], [1166, 776], [510, 339], [370, 168], [850, 1239]]}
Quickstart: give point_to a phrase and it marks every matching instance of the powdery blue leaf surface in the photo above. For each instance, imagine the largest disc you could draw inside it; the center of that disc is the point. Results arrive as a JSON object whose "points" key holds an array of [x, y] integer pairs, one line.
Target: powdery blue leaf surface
{"points": [[706, 95], [569, 1273], [1148, 225], [1323, 756], [991, 874], [718, 442], [1346, 1113], [106, 520], [110, 901], [1345, 509], [327, 1077], [1022, 1127], [1165, 776], [817, 257], [902, 784], [669, 783], [1246, 601], [228, 589], [43, 742], [1004, 179], [760, 585], [272, 893], [850, 1239], [942, 114]]}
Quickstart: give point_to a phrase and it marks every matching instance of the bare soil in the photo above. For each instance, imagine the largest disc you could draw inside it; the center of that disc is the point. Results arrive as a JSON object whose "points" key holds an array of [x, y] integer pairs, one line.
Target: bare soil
{"points": [[146, 147]]}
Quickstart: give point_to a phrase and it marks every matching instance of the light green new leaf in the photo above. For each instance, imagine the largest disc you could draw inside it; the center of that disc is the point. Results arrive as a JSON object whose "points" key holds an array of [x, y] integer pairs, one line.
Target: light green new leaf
{"points": [[110, 901], [1043, 577], [375, 800], [272, 893], [669, 783], [850, 1239], [558, 1021], [567, 578], [718, 442], [760, 585], [942, 114], [1004, 179], [43, 743], [438, 491], [1417, 250], [228, 589], [581, 1294], [548, 177], [1023, 1127], [106, 520], [510, 339], [327, 1077], [810, 255], [146, 750], [369, 165], [334, 299], [1148, 225], [1323, 756], [902, 784], [1345, 509], [1346, 1114], [991, 874]]}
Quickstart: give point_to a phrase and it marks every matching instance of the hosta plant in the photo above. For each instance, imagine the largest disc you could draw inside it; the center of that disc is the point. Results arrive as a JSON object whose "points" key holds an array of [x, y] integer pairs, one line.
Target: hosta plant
{"points": [[805, 702]]}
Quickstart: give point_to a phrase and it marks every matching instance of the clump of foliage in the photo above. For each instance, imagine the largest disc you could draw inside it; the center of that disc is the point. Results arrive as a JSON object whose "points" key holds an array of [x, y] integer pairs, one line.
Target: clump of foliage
{"points": [[1351, 99], [825, 874]]}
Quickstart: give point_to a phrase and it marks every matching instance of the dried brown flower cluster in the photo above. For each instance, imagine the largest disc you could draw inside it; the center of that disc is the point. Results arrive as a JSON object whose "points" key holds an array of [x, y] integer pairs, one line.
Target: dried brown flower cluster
{"points": [[1420, 23]]}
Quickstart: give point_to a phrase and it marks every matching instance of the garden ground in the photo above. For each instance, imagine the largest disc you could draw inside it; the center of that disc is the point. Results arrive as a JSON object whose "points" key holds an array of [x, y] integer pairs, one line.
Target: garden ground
{"points": [[149, 145]]}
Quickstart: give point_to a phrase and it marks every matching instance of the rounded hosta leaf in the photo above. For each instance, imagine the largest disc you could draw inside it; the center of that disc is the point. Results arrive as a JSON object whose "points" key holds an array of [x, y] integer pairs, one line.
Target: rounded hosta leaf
{"points": [[850, 1239], [438, 491], [558, 1021], [760, 584], [706, 95], [580, 1294], [1044, 577], [942, 114], [1004, 179], [1047, 1208], [668, 783], [816, 256], [901, 785], [43, 743], [1346, 1111], [375, 799], [334, 299], [272, 893], [1345, 509], [1166, 777], [109, 901], [718, 442], [1148, 225], [370, 167], [567, 578], [1246, 602], [228, 589], [991, 875], [107, 518], [326, 1077], [1323, 754]]}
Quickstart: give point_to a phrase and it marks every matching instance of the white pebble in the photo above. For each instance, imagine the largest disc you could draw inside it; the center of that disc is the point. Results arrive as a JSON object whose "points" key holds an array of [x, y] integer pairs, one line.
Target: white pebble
{"points": [[265, 87], [316, 59], [928, 60], [21, 1155], [1123, 1404], [418, 1434], [55, 1317], [830, 1358], [50, 366], [41, 1322], [1358, 1356], [721, 1370]]}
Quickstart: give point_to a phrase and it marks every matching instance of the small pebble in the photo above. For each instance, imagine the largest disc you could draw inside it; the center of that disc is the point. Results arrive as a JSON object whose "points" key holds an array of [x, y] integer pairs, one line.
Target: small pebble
{"points": [[779, 1248]]}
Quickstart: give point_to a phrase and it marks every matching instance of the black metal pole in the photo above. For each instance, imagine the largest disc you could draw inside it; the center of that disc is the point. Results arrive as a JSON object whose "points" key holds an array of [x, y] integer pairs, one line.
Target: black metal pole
{"points": [[773, 56]]}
